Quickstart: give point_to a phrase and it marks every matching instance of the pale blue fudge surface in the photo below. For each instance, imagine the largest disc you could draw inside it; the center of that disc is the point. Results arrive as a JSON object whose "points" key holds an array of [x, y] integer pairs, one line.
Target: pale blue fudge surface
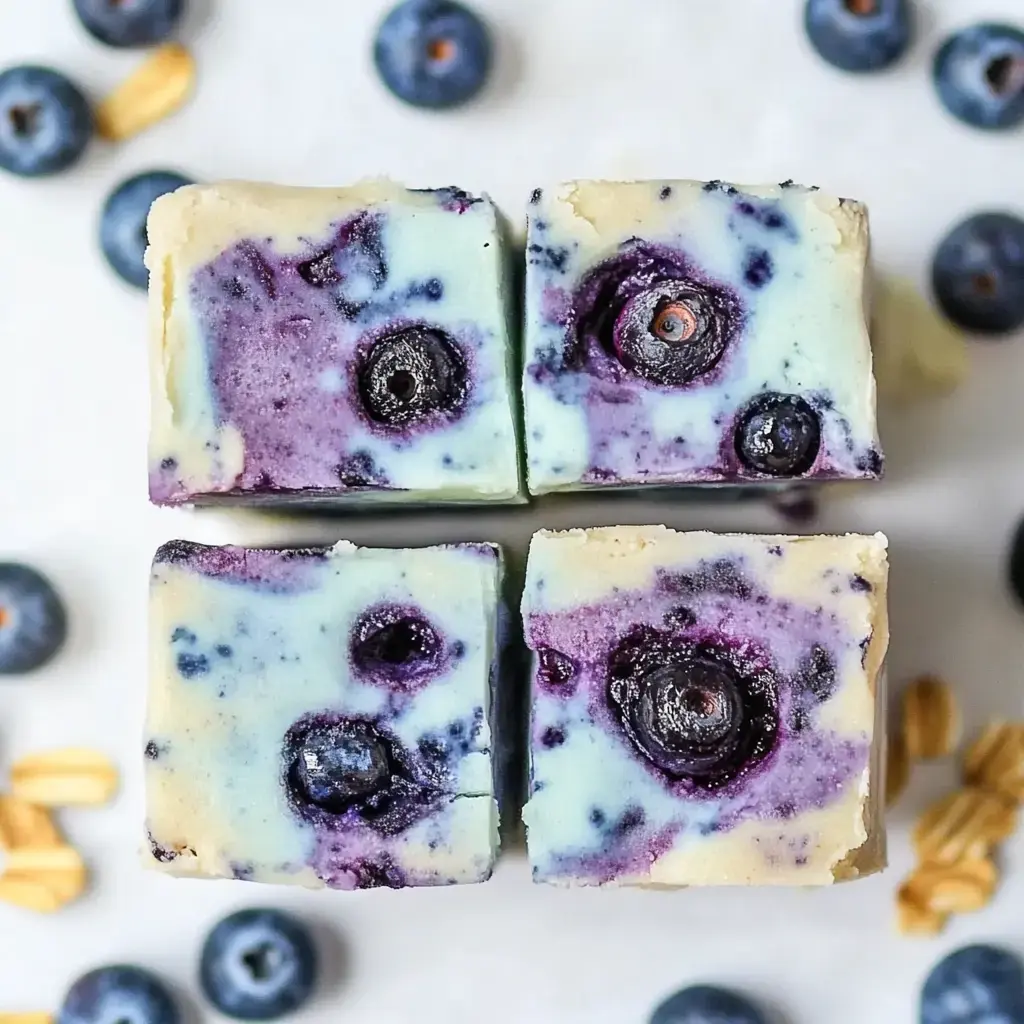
{"points": [[705, 709], [323, 717], [312, 345], [685, 333]]}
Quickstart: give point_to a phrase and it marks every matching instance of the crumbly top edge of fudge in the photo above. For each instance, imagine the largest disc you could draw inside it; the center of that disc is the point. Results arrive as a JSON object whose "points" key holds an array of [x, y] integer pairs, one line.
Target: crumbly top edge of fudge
{"points": [[620, 208], [197, 222], [187, 552]]}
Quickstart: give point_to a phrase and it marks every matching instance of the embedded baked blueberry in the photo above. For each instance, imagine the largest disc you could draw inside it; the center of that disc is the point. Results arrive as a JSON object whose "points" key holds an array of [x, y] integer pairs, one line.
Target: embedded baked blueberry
{"points": [[396, 646], [132, 23], [119, 994], [411, 375], [339, 768], [859, 35], [778, 435], [433, 53], [975, 985], [978, 273], [707, 1004], [554, 667], [123, 236], [33, 621], [691, 709], [45, 121], [647, 309], [979, 75], [258, 965]]}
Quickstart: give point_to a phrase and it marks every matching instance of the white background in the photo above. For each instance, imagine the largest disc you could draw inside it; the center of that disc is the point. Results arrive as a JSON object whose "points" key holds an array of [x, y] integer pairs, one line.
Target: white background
{"points": [[684, 88]]}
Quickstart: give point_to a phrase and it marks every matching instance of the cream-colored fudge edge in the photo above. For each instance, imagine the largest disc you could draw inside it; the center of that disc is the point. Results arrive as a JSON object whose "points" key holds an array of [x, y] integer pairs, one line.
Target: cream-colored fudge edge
{"points": [[642, 550]]}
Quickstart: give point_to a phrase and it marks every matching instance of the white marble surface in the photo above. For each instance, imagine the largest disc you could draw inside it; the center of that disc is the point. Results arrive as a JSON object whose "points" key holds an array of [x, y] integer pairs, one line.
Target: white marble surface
{"points": [[583, 88]]}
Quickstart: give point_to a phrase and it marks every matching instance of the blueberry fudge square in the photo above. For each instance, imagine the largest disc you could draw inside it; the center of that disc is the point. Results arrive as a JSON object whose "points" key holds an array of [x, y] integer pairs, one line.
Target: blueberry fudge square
{"points": [[322, 717], [330, 345], [686, 333], [706, 710]]}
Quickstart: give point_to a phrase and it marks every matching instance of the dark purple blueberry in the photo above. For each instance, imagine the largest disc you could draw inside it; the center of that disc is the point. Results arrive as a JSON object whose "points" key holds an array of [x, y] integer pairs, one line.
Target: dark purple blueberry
{"points": [[979, 984], [433, 53], [859, 35], [258, 965], [123, 236], [33, 622], [411, 375], [778, 435], [45, 121], [348, 769], [646, 309], [978, 273], [125, 23], [1016, 563], [338, 767], [119, 994], [979, 75], [707, 1004], [690, 710], [554, 667], [396, 646]]}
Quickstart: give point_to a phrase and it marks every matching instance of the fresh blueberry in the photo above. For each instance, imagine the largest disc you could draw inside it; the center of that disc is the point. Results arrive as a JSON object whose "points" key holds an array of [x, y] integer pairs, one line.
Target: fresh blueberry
{"points": [[123, 235], [975, 985], [45, 121], [778, 435], [979, 74], [129, 22], [118, 995], [1016, 567], [258, 965], [33, 622], [978, 273], [707, 1004], [859, 35], [433, 53]]}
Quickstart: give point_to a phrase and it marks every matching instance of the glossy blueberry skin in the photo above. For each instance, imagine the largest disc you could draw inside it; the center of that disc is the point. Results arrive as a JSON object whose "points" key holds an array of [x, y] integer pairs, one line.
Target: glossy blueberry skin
{"points": [[859, 35], [433, 53], [975, 985], [45, 121], [979, 74], [129, 22], [258, 964], [707, 1004], [978, 274], [123, 236], [33, 621], [119, 994]]}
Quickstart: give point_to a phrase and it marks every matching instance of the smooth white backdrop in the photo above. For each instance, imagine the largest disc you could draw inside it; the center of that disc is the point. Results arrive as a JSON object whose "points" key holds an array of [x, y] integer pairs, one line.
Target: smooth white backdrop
{"points": [[583, 88]]}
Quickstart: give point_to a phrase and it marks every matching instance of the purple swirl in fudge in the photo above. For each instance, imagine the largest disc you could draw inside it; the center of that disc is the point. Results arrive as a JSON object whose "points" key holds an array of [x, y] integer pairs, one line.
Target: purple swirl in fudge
{"points": [[712, 685], [286, 570], [309, 352]]}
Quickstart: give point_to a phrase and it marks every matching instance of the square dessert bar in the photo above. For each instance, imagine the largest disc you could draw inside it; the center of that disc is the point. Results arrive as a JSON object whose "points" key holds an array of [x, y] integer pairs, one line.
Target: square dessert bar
{"points": [[680, 333], [329, 344], [706, 710], [322, 717]]}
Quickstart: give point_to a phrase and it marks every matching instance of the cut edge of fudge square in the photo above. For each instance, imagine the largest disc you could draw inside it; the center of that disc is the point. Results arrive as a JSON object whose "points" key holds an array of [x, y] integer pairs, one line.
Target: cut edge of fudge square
{"points": [[325, 716], [331, 346], [705, 709], [685, 333]]}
